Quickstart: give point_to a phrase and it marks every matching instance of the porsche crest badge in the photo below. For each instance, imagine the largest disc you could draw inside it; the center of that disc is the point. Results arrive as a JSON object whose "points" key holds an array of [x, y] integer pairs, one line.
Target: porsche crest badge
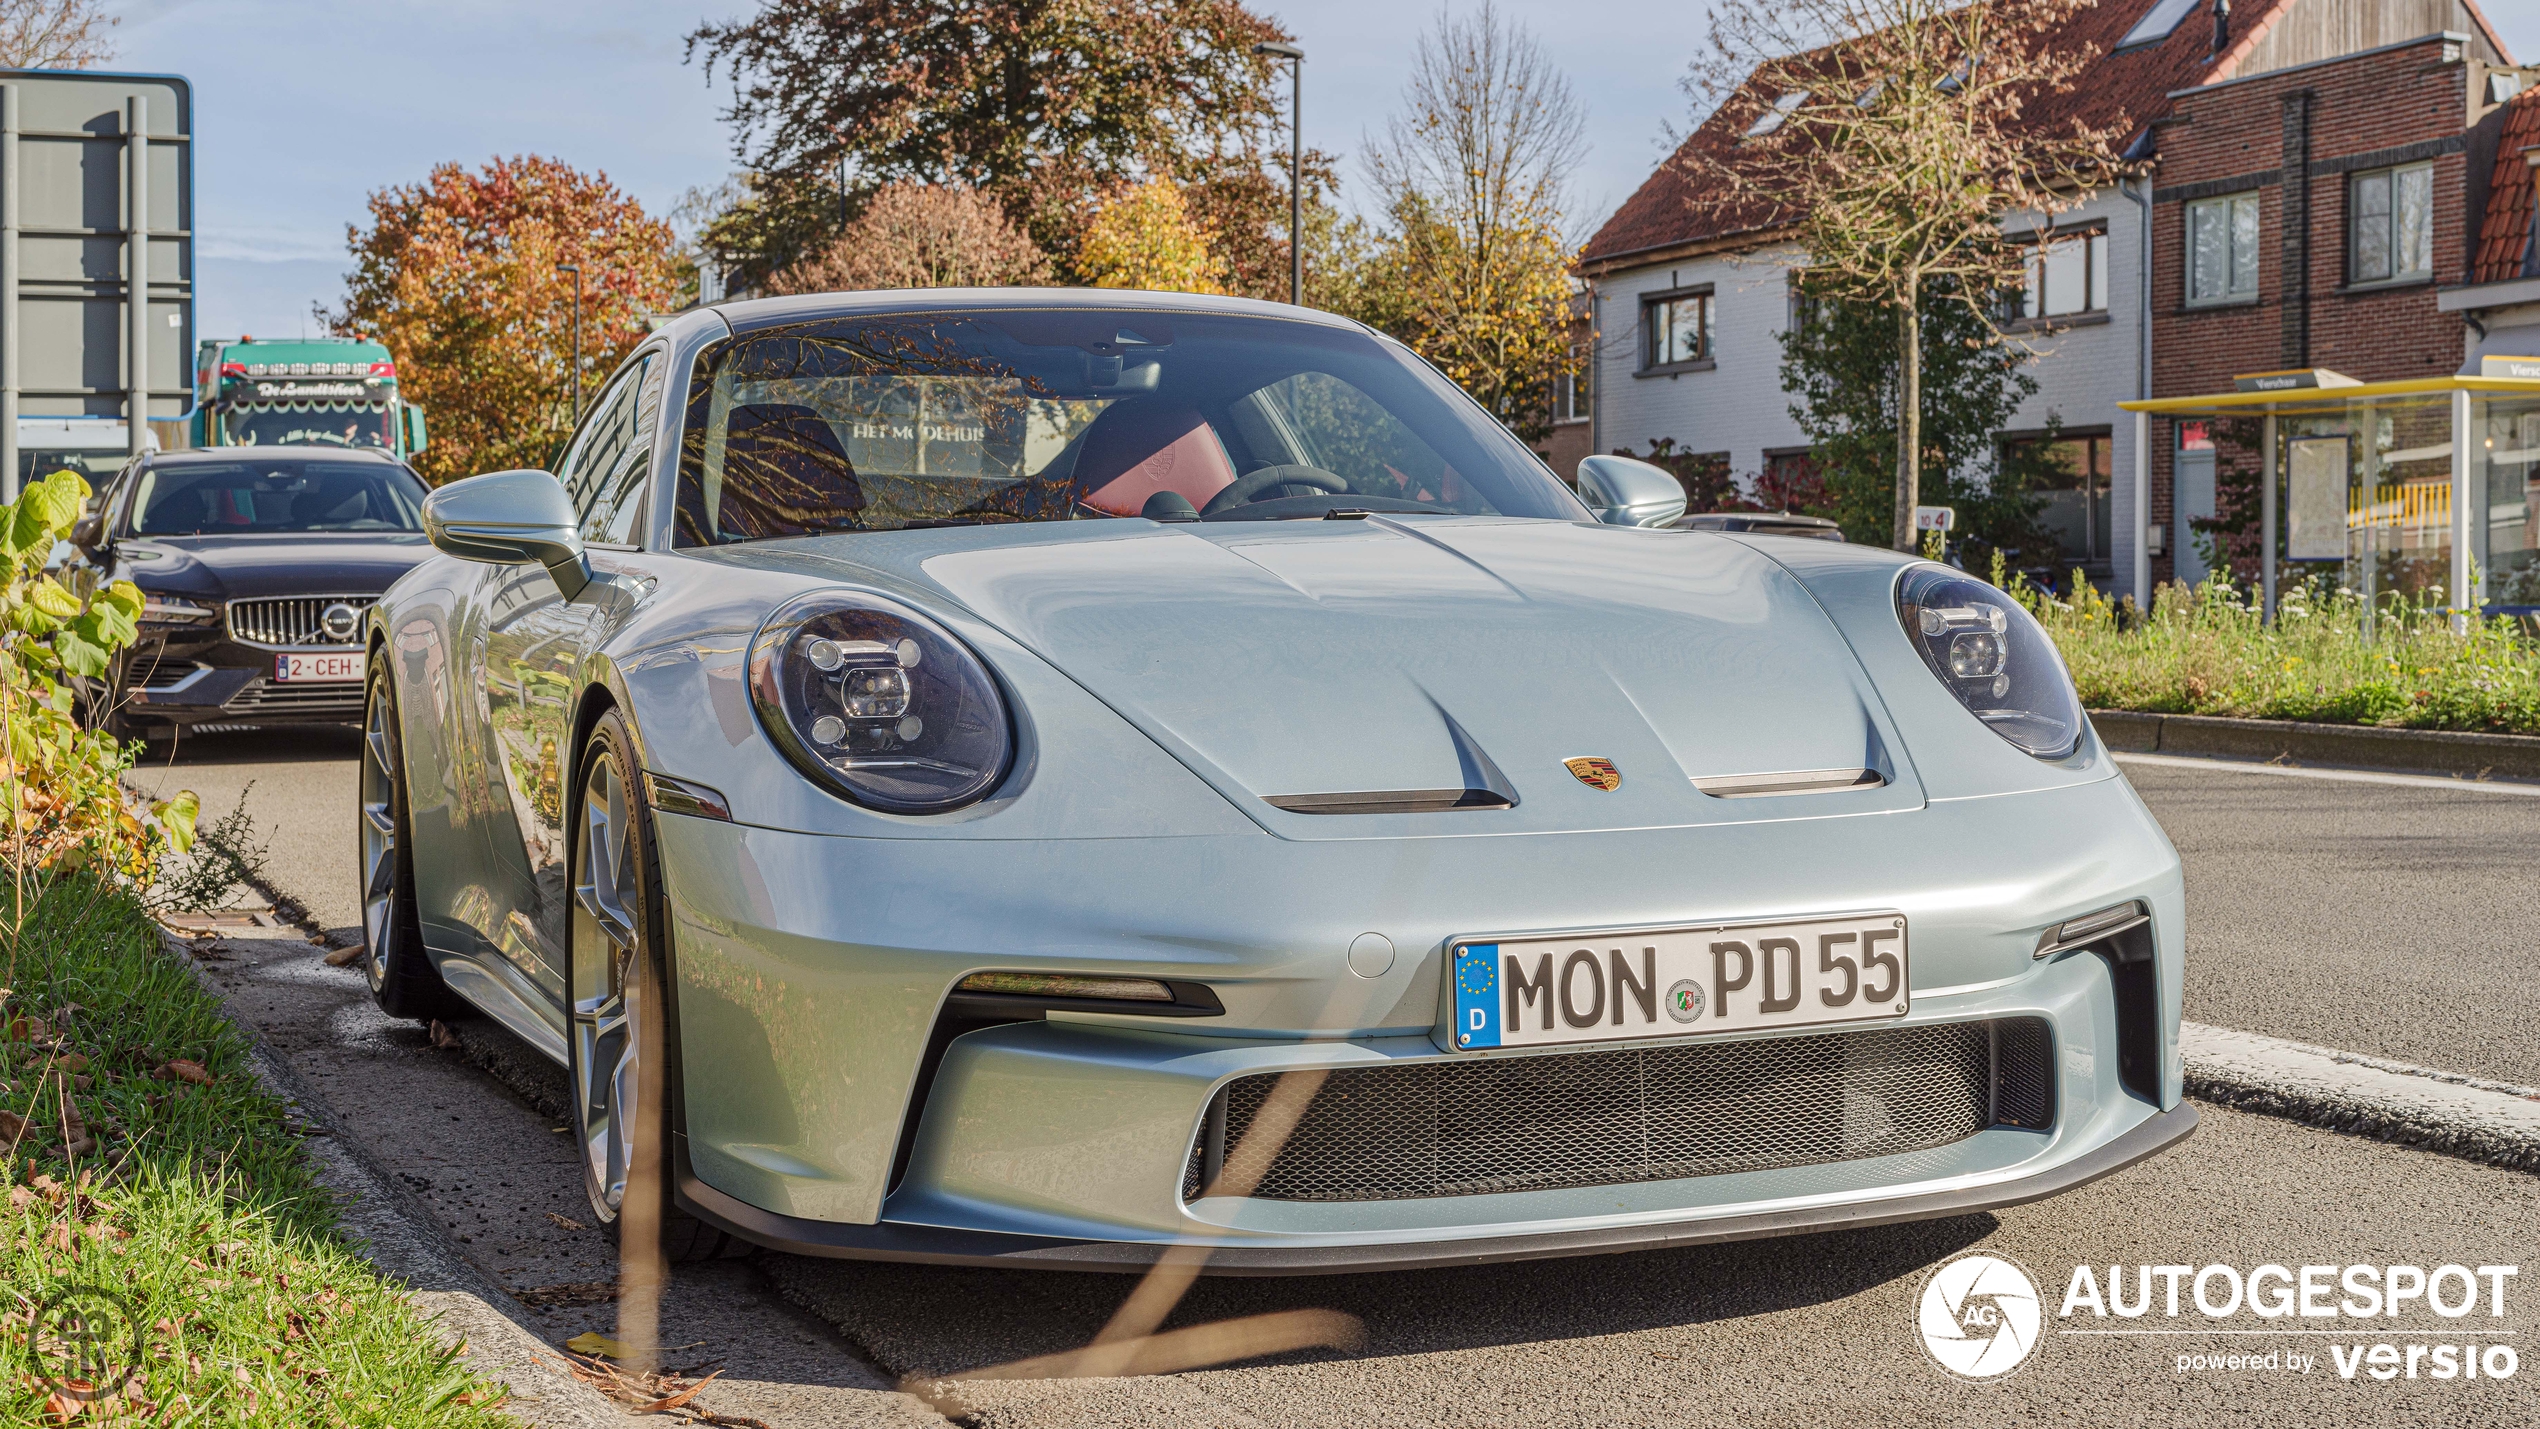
{"points": [[1595, 773]]}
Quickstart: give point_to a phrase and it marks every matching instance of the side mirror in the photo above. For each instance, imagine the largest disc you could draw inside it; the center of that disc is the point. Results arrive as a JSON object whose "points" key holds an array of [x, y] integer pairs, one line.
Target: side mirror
{"points": [[510, 518], [87, 532], [1624, 492]]}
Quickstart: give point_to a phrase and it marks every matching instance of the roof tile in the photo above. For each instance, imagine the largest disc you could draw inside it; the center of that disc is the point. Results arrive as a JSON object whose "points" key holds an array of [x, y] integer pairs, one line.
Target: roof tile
{"points": [[2504, 234]]}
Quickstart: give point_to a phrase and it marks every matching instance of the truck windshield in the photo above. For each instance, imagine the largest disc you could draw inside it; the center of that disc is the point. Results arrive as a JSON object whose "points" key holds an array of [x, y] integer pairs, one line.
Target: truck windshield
{"points": [[281, 427], [238, 498]]}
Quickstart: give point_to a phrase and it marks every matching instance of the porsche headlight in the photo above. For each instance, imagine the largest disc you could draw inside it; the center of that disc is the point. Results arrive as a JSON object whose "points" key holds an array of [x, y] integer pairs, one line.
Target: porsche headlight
{"points": [[1993, 657], [879, 703]]}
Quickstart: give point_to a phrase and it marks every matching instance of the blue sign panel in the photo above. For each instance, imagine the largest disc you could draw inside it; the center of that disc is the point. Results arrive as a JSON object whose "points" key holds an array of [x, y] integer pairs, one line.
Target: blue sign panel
{"points": [[1477, 996]]}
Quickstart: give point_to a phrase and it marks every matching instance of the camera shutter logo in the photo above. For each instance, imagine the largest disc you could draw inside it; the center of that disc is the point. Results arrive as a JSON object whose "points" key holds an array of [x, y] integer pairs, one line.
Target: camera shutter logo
{"points": [[85, 1343], [1980, 1316]]}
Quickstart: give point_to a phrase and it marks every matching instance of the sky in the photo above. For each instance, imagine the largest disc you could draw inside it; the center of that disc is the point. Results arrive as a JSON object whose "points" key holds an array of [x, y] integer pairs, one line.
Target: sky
{"points": [[303, 108]]}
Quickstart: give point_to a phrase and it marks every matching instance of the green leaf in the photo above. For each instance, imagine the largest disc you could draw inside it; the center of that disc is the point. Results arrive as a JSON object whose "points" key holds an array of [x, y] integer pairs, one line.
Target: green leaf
{"points": [[79, 654], [53, 598], [124, 596], [176, 816], [44, 511], [107, 626]]}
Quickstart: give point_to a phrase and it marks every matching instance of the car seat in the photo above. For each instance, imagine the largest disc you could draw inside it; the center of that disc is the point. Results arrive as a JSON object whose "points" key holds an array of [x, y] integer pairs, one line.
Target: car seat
{"points": [[784, 474], [1141, 447]]}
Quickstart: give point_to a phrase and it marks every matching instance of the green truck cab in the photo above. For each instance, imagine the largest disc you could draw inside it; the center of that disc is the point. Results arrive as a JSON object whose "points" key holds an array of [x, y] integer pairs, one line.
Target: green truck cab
{"points": [[326, 391]]}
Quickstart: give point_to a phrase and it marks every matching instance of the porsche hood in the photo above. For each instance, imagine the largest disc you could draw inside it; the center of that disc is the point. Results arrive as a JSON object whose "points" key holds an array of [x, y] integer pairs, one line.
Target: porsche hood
{"points": [[1353, 678]]}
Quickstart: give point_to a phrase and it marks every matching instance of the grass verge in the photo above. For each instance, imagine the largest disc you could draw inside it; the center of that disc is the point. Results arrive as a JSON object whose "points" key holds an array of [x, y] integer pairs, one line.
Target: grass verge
{"points": [[146, 1170], [2206, 651]]}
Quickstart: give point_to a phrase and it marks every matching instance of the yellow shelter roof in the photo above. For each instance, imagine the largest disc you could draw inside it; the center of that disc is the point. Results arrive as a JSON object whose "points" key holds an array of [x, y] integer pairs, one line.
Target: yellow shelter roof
{"points": [[2322, 399]]}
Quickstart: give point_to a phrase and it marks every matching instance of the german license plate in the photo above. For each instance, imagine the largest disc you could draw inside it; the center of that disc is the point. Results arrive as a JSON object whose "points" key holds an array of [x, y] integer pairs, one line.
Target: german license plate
{"points": [[1679, 982], [347, 666]]}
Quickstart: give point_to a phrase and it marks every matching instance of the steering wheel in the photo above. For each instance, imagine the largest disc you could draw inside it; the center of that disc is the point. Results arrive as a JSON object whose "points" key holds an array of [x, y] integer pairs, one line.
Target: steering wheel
{"points": [[1253, 483]]}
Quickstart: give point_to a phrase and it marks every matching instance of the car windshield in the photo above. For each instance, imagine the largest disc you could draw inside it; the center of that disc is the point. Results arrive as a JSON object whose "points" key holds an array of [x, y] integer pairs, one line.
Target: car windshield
{"points": [[245, 497], [322, 427], [894, 421]]}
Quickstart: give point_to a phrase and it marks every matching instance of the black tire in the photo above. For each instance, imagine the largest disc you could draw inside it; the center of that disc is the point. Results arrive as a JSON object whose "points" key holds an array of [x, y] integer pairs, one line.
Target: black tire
{"points": [[617, 1004], [402, 978]]}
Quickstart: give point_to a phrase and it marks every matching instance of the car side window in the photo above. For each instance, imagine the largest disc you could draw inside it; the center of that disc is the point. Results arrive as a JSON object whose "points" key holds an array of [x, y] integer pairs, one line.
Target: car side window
{"points": [[625, 523], [590, 465]]}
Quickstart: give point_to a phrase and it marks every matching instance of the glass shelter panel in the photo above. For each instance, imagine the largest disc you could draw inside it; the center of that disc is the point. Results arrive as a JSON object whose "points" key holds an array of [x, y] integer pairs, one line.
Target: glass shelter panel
{"points": [[2367, 498], [2504, 483]]}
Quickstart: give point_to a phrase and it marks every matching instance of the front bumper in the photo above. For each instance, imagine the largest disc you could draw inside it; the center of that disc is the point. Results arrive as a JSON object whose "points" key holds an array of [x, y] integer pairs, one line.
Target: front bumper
{"points": [[810, 972], [937, 1245], [182, 676]]}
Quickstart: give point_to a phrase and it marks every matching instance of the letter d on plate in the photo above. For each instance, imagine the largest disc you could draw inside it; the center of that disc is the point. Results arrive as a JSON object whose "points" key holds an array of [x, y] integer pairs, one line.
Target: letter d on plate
{"points": [[1477, 996]]}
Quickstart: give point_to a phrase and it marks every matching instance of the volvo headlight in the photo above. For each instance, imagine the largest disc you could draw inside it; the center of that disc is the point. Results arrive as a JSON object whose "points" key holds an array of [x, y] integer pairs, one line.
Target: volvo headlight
{"points": [[1993, 656], [879, 703], [171, 609]]}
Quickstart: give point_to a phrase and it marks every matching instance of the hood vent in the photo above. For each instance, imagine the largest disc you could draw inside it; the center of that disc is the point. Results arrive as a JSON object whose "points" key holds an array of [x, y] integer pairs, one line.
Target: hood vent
{"points": [[1392, 801], [1804, 781]]}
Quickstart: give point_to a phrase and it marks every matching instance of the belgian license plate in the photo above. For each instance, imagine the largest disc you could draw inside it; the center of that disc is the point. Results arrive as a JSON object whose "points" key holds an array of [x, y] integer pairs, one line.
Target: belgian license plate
{"points": [[1679, 982], [346, 666]]}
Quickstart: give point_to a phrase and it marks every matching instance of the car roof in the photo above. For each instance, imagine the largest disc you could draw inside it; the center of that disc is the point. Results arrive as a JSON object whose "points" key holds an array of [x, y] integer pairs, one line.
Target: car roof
{"points": [[754, 313]]}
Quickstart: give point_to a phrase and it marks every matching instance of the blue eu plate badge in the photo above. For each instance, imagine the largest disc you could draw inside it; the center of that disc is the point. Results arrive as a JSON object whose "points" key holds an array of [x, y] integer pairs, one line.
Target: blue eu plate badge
{"points": [[1477, 996]]}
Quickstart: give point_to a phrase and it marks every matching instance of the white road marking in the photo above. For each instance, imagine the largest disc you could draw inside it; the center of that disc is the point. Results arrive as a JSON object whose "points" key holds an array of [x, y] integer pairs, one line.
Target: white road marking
{"points": [[2469, 1116], [2348, 776]]}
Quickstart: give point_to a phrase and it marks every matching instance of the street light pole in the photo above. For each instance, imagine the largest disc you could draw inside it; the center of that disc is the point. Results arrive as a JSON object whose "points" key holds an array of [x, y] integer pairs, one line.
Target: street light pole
{"points": [[1296, 161], [576, 270]]}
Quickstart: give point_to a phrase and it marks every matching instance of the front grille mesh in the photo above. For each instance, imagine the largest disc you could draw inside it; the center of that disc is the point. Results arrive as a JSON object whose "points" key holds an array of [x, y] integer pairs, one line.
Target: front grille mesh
{"points": [[293, 620], [262, 696], [1528, 1123]]}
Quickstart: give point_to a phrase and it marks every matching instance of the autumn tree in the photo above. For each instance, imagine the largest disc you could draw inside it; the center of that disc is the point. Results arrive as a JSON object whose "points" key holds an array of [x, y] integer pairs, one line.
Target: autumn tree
{"points": [[458, 276], [914, 235], [1471, 172], [1145, 237], [55, 34], [1043, 106], [1891, 140]]}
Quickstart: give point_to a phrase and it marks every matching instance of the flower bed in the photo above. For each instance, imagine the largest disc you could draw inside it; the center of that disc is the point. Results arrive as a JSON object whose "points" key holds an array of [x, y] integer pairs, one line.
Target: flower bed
{"points": [[2205, 651]]}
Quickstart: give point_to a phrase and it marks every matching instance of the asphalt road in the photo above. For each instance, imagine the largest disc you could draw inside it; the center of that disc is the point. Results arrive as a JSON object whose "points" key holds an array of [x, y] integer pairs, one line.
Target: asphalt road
{"points": [[2357, 916], [2386, 919]]}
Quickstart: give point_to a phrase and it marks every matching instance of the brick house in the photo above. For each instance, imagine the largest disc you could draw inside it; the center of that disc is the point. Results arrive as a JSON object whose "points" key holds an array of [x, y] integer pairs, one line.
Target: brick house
{"points": [[1667, 264], [2303, 218]]}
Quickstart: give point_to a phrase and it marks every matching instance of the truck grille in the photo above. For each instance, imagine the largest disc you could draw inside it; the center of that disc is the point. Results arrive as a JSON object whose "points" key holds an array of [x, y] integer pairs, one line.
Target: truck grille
{"points": [[296, 620], [1532, 1123]]}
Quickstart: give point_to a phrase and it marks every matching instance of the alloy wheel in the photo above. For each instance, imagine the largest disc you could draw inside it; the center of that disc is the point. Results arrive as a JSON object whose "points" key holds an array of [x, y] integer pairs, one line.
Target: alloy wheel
{"points": [[378, 836], [606, 982]]}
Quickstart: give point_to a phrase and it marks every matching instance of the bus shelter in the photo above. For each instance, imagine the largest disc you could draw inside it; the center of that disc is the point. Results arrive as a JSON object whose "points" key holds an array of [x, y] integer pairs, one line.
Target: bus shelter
{"points": [[2428, 487]]}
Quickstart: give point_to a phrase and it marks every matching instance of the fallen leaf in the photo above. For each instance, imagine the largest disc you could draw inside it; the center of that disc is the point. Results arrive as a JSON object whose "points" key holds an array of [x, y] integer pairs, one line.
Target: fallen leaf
{"points": [[184, 1071], [69, 1062], [670, 1402], [13, 1128], [566, 1222], [592, 1342], [443, 1037], [344, 957]]}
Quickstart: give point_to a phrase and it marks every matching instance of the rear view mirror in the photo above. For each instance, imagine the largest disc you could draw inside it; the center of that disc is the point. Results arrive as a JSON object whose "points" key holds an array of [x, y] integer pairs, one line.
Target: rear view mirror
{"points": [[510, 518], [1624, 492]]}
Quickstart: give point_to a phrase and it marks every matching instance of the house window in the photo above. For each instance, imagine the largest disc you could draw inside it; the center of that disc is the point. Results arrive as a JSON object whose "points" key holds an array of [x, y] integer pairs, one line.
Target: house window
{"points": [[1571, 390], [2073, 475], [1678, 328], [2392, 229], [2064, 276], [2222, 249]]}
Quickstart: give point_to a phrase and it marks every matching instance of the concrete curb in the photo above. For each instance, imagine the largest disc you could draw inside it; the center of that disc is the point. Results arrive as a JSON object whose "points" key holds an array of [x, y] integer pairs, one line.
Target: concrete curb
{"points": [[2495, 1122], [391, 1228], [2438, 751]]}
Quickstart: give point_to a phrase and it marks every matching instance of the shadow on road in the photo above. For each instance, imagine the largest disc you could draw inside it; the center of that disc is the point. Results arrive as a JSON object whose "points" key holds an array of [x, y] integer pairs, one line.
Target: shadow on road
{"points": [[918, 1319], [271, 744]]}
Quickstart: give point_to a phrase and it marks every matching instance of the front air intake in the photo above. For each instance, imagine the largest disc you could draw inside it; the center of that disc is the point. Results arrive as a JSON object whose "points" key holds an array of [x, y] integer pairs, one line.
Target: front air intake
{"points": [[1541, 1122]]}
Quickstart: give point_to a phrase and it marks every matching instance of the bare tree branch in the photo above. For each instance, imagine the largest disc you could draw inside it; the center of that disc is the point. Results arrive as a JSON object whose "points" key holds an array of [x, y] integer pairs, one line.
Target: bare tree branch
{"points": [[55, 34]]}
